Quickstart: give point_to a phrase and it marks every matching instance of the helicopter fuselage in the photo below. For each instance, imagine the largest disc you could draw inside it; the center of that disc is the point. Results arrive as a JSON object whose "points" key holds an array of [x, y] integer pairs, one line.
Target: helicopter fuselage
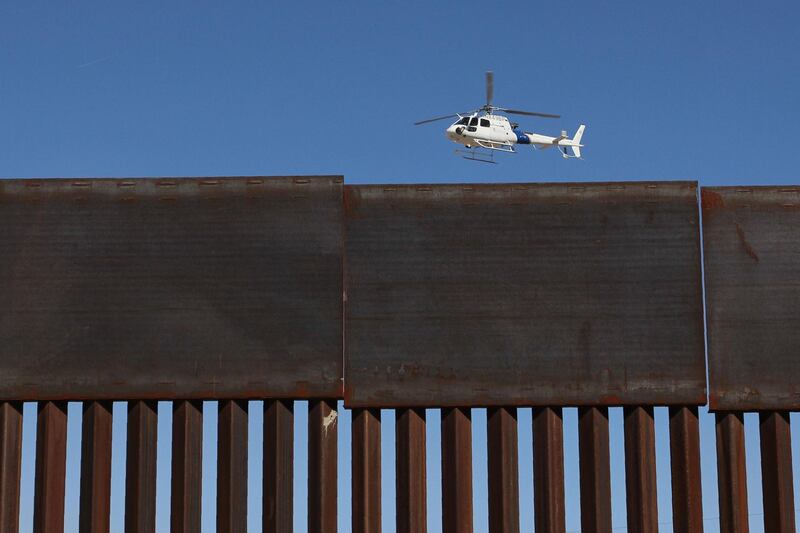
{"points": [[496, 132], [492, 128]]}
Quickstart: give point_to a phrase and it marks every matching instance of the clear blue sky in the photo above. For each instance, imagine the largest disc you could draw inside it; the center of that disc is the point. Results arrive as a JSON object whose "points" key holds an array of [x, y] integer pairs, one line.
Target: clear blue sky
{"points": [[678, 90]]}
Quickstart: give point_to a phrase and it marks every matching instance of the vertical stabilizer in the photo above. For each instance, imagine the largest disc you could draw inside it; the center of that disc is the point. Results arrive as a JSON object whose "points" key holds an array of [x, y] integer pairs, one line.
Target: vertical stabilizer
{"points": [[576, 149]]}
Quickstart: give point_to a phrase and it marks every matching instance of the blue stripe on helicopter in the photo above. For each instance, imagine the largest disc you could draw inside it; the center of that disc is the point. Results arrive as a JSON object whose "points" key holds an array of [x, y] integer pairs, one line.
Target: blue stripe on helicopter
{"points": [[521, 137]]}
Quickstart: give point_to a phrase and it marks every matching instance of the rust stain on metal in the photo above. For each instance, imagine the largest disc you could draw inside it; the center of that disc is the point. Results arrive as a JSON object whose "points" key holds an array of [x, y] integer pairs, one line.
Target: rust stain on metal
{"points": [[746, 245], [751, 245], [711, 199]]}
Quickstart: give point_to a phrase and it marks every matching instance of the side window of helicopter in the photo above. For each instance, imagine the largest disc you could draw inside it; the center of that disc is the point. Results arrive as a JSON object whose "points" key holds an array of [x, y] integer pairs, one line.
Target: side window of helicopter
{"points": [[484, 123], [473, 123]]}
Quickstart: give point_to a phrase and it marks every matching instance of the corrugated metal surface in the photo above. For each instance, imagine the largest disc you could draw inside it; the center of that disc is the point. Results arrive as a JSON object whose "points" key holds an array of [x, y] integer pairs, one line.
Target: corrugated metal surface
{"points": [[557, 294], [170, 288], [751, 237]]}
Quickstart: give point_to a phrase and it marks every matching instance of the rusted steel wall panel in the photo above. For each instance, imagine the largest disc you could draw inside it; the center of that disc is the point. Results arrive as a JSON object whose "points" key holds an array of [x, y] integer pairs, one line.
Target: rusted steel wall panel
{"points": [[548, 470], [323, 429], [411, 477], [171, 289], [751, 237], [640, 470], [10, 464], [776, 472], [232, 431], [731, 473], [187, 466], [366, 471], [497, 295], [503, 469], [457, 514], [278, 511], [95, 503], [51, 467], [684, 446], [140, 467], [595, 470]]}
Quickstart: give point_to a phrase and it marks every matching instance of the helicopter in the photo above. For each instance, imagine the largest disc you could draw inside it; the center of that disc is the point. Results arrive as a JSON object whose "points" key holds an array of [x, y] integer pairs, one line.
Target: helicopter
{"points": [[483, 132]]}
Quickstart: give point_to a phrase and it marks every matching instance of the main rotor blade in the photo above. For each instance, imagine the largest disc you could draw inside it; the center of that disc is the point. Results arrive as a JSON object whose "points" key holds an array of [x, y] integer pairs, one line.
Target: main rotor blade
{"points": [[451, 115], [489, 87], [529, 113]]}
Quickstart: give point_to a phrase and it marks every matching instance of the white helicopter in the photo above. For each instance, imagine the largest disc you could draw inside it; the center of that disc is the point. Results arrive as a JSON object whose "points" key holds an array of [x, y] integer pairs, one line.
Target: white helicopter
{"points": [[483, 129]]}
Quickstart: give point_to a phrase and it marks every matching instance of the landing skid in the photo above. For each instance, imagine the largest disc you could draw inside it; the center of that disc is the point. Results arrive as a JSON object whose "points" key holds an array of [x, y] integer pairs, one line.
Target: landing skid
{"points": [[477, 154]]}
